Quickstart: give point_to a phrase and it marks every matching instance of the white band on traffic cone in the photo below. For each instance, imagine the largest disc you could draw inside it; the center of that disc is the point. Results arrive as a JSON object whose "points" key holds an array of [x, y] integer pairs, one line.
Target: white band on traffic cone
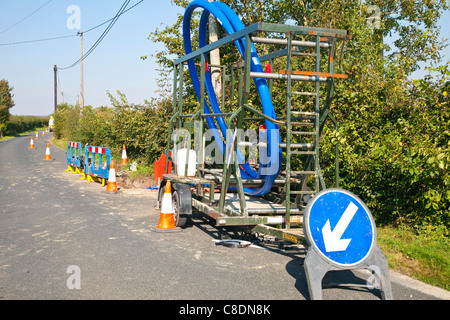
{"points": [[166, 203], [112, 175]]}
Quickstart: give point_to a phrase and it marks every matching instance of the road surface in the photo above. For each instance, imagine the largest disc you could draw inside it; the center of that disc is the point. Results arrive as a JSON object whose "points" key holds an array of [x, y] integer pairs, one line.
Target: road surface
{"points": [[64, 239]]}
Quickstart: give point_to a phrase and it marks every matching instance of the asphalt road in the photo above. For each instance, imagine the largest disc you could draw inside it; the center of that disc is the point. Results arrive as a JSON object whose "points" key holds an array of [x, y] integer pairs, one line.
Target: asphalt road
{"points": [[64, 239]]}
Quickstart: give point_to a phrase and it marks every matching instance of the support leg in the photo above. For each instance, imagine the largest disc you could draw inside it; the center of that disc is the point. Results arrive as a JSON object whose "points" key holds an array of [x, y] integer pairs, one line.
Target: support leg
{"points": [[315, 270]]}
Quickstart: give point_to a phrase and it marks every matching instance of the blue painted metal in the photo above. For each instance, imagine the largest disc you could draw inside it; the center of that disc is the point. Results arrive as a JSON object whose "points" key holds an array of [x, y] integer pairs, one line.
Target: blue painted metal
{"points": [[94, 161], [75, 154]]}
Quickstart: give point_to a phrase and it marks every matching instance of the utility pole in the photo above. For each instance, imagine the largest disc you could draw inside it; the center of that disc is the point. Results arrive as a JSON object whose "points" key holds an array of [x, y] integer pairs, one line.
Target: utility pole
{"points": [[55, 70], [215, 56], [81, 71]]}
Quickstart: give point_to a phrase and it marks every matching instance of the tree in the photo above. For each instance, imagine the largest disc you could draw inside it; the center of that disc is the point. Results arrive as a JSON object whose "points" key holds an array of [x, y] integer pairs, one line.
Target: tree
{"points": [[411, 21], [6, 103]]}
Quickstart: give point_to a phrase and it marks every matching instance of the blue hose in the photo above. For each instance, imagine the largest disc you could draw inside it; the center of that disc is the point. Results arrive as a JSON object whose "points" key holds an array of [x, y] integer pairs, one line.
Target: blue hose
{"points": [[231, 23]]}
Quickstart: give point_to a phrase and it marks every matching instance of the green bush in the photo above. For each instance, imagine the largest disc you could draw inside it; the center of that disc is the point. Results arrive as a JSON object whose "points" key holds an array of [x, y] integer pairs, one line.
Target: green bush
{"points": [[395, 148], [142, 128]]}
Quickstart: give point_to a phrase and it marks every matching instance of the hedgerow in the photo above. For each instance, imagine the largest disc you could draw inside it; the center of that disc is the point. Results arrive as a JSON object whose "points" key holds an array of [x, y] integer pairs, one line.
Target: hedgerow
{"points": [[18, 124], [141, 128]]}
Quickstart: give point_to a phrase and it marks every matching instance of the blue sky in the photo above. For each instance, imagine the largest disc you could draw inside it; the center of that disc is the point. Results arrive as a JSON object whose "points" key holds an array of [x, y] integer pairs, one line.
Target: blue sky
{"points": [[114, 65]]}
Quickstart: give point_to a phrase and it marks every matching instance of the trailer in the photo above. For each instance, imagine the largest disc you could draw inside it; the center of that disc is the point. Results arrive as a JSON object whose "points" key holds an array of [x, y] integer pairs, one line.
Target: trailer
{"points": [[270, 199]]}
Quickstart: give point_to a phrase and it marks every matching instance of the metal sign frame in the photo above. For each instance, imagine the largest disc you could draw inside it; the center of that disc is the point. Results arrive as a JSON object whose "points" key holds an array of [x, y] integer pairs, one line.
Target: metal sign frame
{"points": [[317, 264]]}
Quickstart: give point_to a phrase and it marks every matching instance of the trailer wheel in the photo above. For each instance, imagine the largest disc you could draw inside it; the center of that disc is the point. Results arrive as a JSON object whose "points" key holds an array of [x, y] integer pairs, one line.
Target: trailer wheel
{"points": [[182, 203], [180, 219]]}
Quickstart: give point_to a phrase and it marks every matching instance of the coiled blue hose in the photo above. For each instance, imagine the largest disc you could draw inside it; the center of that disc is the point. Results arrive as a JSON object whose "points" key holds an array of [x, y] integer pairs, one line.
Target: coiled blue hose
{"points": [[231, 23]]}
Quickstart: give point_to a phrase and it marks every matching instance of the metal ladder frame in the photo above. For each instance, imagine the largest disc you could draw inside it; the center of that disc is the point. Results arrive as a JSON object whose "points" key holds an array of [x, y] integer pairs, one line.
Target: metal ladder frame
{"points": [[319, 115]]}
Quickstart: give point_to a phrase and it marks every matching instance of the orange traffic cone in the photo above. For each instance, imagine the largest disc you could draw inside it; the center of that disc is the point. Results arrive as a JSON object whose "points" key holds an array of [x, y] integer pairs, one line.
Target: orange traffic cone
{"points": [[166, 219], [112, 184], [31, 143], [43, 133], [37, 135], [47, 153], [124, 156]]}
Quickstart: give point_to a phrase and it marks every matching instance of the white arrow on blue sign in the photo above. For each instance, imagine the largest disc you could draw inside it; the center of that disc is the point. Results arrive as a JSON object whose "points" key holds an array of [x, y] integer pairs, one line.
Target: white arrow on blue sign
{"points": [[340, 227]]}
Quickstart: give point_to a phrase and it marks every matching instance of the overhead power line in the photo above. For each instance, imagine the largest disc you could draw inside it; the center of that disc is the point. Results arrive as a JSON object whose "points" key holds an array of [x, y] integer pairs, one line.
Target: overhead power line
{"points": [[97, 26], [38, 40], [23, 19], [67, 36], [102, 36]]}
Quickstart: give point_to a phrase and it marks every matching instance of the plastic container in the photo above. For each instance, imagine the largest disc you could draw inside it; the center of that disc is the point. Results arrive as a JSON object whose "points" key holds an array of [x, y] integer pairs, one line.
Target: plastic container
{"points": [[181, 163]]}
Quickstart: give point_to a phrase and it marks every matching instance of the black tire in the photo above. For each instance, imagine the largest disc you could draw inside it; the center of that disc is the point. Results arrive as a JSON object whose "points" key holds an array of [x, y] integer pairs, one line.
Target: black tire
{"points": [[180, 218]]}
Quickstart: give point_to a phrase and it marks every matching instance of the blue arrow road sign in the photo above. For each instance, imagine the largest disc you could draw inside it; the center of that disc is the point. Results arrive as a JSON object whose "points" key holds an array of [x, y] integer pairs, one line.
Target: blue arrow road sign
{"points": [[340, 227]]}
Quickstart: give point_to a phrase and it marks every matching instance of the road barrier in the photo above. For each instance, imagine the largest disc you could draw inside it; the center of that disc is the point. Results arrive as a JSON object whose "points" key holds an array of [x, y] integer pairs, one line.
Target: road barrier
{"points": [[75, 157], [160, 167], [92, 162], [95, 167]]}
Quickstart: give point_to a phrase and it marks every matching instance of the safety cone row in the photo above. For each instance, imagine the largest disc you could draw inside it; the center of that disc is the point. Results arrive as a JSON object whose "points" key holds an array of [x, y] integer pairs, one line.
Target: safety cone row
{"points": [[111, 186], [166, 221], [124, 156]]}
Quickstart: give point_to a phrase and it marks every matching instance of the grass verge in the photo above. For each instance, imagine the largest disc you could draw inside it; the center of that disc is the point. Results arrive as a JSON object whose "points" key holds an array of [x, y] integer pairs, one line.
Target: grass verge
{"points": [[424, 257], [61, 143]]}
